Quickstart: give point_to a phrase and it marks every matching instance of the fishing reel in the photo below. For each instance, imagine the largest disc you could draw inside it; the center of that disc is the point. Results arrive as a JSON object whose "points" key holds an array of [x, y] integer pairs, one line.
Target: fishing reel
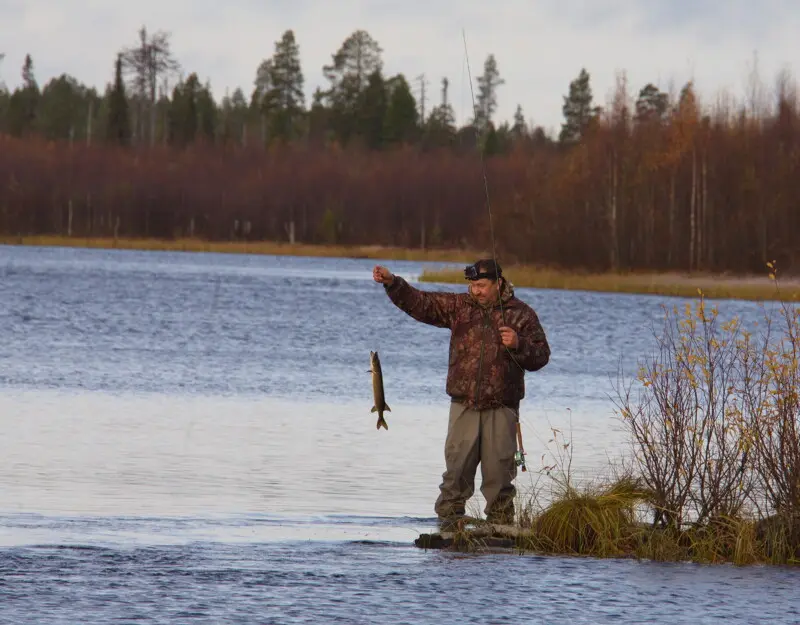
{"points": [[519, 455]]}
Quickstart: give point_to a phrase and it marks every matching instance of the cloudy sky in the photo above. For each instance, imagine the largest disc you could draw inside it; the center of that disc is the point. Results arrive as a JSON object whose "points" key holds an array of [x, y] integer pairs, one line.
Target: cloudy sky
{"points": [[540, 45]]}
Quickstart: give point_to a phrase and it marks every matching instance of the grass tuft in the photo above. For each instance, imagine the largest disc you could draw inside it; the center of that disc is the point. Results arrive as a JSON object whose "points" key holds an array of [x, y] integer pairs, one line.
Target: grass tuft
{"points": [[601, 524]]}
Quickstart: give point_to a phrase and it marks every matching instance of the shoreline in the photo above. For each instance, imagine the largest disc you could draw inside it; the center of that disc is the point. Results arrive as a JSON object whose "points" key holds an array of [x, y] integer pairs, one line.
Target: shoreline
{"points": [[671, 283], [270, 248], [733, 541]]}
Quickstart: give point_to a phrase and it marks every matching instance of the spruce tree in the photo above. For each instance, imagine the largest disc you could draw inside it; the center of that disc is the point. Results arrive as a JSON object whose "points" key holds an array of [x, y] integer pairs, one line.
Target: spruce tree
{"points": [[402, 116], [118, 129]]}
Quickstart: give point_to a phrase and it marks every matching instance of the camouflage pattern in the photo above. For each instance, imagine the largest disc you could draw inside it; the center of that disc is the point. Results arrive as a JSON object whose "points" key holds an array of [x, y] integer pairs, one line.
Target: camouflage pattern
{"points": [[482, 373]]}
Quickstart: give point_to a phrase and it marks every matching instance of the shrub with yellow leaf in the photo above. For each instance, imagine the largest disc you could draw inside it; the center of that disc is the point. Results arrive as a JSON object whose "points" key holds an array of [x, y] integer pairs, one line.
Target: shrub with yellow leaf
{"points": [[715, 425]]}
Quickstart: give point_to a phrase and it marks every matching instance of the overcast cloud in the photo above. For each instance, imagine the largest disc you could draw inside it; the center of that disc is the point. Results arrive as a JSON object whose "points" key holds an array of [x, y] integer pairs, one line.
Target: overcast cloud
{"points": [[540, 45]]}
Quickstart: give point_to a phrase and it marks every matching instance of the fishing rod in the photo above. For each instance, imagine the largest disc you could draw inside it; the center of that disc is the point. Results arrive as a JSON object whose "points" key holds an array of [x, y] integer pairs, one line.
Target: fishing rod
{"points": [[483, 171], [519, 456], [486, 192]]}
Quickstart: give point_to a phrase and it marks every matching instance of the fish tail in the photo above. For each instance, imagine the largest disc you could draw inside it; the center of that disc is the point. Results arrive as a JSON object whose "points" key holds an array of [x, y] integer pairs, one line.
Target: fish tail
{"points": [[382, 423]]}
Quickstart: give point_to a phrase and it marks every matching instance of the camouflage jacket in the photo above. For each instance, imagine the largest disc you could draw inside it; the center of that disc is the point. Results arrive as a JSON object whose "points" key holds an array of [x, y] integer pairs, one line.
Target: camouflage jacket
{"points": [[481, 371]]}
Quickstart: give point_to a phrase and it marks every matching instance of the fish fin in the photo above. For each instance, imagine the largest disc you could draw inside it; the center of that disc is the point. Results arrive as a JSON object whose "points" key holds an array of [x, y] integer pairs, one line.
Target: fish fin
{"points": [[374, 409], [386, 407], [382, 423]]}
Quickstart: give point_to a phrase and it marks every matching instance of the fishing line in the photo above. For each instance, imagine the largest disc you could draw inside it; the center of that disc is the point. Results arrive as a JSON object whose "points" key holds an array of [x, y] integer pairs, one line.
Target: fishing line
{"points": [[520, 454], [486, 192]]}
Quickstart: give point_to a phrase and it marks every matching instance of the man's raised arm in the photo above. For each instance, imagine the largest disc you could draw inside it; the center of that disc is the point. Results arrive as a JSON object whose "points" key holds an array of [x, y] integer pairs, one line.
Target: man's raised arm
{"points": [[436, 309]]}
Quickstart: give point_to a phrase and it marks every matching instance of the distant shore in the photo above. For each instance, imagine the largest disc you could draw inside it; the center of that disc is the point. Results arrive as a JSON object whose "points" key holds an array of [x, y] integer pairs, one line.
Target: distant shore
{"points": [[752, 287], [246, 247], [675, 284]]}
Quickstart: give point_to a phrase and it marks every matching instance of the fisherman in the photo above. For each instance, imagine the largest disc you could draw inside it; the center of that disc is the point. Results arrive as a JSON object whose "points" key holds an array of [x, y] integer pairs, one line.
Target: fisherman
{"points": [[495, 337]]}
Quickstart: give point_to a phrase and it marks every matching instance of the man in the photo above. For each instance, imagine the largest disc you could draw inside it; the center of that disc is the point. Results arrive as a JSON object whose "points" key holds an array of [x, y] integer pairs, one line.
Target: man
{"points": [[494, 338]]}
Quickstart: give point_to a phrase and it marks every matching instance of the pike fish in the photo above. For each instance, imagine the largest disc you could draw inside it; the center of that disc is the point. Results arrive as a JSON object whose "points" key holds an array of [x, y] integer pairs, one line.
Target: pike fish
{"points": [[377, 389]]}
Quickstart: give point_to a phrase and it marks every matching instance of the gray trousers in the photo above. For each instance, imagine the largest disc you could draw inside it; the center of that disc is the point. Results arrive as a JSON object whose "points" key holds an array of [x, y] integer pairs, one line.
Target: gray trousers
{"points": [[488, 438]]}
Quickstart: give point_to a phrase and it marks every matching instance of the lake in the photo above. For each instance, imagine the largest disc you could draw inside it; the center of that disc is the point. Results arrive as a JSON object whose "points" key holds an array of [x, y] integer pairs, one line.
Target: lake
{"points": [[188, 438]]}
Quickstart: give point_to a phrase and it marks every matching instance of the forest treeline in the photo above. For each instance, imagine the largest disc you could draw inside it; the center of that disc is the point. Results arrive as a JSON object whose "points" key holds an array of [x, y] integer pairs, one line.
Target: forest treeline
{"points": [[654, 180]]}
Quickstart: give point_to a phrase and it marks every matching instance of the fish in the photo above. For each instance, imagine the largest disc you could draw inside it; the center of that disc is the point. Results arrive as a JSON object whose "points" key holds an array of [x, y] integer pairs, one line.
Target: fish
{"points": [[377, 390]]}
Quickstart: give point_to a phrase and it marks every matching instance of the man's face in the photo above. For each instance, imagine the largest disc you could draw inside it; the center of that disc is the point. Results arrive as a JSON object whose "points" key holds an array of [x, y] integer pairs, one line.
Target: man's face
{"points": [[485, 291]]}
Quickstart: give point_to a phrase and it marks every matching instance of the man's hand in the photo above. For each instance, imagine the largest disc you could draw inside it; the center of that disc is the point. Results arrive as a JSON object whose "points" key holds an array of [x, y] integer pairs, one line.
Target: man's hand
{"points": [[509, 337], [382, 275]]}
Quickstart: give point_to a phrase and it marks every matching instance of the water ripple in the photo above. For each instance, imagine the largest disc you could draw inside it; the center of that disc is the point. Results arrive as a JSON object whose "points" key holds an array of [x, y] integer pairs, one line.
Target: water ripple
{"points": [[187, 438]]}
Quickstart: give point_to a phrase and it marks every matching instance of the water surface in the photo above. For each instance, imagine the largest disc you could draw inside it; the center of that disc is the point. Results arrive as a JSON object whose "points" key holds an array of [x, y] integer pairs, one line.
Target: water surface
{"points": [[187, 438]]}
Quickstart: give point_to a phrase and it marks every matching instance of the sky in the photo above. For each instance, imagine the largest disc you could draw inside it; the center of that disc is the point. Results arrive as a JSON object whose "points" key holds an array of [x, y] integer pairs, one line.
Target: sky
{"points": [[540, 45]]}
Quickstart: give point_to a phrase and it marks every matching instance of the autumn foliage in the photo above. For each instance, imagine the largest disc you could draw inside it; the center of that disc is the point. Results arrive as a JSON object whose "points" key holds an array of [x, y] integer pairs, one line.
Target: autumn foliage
{"points": [[714, 429], [692, 188]]}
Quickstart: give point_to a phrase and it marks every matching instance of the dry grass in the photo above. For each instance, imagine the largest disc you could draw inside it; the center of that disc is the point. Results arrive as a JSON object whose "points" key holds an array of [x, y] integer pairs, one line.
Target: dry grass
{"points": [[606, 523], [600, 523], [668, 284], [245, 247]]}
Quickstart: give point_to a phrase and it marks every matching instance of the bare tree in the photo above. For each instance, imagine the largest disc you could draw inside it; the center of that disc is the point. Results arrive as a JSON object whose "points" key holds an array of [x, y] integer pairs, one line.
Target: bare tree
{"points": [[145, 63]]}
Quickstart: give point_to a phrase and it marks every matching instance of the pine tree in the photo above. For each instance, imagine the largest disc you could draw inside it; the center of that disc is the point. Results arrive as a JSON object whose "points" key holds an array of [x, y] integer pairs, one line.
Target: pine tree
{"points": [[279, 89], [578, 110], [357, 58], [651, 104]]}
